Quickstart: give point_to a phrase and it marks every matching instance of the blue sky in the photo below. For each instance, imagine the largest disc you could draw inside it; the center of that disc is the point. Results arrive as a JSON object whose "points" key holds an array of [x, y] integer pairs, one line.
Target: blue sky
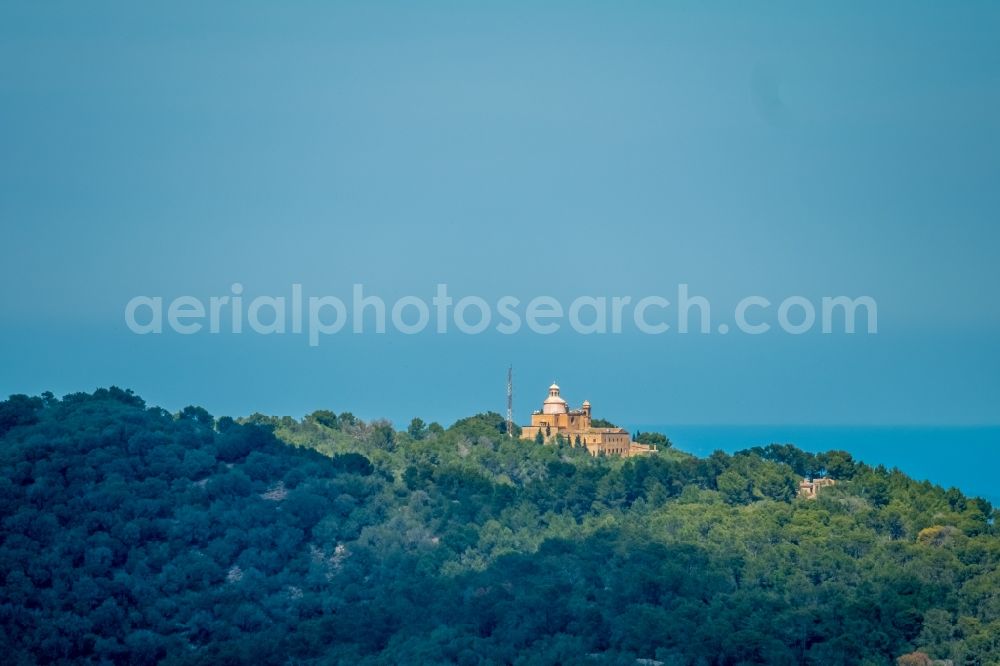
{"points": [[507, 148]]}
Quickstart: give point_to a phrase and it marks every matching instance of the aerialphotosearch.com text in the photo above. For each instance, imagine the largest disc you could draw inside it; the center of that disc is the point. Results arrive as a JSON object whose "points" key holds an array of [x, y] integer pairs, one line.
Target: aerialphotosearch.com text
{"points": [[321, 316]]}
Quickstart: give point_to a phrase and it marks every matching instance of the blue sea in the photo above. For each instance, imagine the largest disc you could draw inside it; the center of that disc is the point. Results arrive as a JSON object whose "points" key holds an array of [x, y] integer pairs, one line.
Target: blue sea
{"points": [[967, 458]]}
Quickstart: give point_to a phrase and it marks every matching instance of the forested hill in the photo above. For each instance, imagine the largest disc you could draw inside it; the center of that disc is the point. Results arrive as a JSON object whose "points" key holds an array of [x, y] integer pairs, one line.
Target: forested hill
{"points": [[131, 535]]}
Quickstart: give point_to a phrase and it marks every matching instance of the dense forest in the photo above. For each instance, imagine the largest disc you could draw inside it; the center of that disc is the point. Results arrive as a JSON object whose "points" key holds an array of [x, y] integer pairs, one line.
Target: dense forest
{"points": [[132, 535]]}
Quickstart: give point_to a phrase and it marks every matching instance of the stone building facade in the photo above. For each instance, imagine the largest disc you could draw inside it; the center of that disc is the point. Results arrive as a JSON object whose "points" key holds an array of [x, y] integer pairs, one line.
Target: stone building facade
{"points": [[556, 418], [809, 488]]}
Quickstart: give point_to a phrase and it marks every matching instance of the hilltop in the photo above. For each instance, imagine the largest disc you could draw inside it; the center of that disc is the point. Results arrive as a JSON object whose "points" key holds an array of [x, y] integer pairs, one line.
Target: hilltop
{"points": [[133, 535]]}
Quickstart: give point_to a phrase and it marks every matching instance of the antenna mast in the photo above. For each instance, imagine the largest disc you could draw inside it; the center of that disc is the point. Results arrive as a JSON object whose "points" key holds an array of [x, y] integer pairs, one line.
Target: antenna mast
{"points": [[510, 401]]}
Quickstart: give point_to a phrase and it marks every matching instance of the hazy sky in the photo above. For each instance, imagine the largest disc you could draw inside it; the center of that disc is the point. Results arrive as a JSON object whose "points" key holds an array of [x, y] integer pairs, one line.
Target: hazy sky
{"points": [[507, 148]]}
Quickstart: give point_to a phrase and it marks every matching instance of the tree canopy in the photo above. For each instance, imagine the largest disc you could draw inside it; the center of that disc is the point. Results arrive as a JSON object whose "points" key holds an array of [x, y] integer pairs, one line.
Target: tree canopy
{"points": [[132, 535]]}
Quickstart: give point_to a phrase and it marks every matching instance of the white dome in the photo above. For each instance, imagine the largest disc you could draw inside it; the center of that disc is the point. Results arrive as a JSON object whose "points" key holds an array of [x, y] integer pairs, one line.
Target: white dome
{"points": [[554, 404]]}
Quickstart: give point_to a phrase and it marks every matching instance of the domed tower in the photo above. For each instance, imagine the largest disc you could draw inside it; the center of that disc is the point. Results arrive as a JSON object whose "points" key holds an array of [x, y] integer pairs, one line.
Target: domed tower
{"points": [[554, 404], [586, 414]]}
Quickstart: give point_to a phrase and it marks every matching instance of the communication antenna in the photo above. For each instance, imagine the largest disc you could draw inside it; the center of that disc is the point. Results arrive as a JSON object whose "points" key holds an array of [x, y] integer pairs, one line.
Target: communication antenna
{"points": [[510, 401]]}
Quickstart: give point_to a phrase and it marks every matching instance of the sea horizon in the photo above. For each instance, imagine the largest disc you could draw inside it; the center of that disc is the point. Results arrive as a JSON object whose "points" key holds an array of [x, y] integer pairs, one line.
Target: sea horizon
{"points": [[973, 452]]}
